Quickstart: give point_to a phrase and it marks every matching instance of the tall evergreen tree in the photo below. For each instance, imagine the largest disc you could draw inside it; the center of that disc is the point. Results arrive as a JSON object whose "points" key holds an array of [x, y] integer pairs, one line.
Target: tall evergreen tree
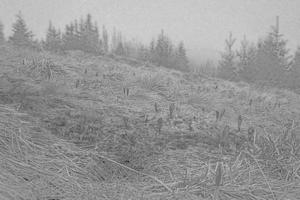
{"points": [[297, 58], [21, 35], [120, 49], [53, 39], [272, 58], [246, 56], [105, 40], [163, 49], [83, 36], [114, 40], [2, 38], [143, 53], [181, 61], [246, 53], [90, 36], [277, 45], [77, 36], [152, 51], [294, 73], [69, 38], [227, 68]]}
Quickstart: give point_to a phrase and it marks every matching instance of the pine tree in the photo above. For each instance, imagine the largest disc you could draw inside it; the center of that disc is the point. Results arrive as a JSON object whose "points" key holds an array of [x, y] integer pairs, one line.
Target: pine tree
{"points": [[114, 42], [2, 39], [272, 58], [152, 51], [246, 53], [90, 37], [98, 43], [143, 53], [181, 61], [21, 35], [227, 69], [277, 45], [77, 36], [105, 40], [163, 50], [69, 38], [297, 58], [246, 56], [131, 48], [80, 35], [120, 49], [53, 39], [294, 73], [83, 36]]}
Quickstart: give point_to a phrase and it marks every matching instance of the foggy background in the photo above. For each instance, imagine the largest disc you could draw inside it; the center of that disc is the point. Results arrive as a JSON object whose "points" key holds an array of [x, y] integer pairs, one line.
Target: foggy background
{"points": [[202, 25]]}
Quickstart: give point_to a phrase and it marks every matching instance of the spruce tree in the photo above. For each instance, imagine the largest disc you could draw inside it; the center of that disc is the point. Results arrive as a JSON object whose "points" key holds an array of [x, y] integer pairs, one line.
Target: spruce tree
{"points": [[277, 45], [53, 39], [21, 35], [2, 38], [105, 40], [90, 36], [152, 51], [246, 56], [294, 73], [246, 53], [181, 61], [68, 38], [227, 68], [272, 59], [163, 50], [120, 49], [143, 53], [114, 42]]}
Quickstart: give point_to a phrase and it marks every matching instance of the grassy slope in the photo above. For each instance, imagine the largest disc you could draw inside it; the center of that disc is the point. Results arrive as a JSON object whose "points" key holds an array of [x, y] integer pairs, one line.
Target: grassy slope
{"points": [[78, 136]]}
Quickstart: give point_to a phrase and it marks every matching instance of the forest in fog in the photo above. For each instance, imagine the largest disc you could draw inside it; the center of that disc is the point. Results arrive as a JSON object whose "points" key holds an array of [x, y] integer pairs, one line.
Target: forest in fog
{"points": [[267, 61]]}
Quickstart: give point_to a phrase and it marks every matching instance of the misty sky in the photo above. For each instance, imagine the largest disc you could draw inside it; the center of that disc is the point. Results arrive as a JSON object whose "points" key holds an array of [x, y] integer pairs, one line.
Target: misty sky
{"points": [[201, 24]]}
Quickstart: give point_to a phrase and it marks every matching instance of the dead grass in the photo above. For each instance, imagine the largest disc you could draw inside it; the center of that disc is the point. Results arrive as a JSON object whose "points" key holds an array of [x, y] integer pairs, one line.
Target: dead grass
{"points": [[58, 141]]}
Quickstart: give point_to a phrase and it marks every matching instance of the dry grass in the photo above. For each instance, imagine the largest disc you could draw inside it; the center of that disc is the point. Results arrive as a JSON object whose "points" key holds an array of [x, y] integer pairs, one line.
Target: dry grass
{"points": [[58, 141]]}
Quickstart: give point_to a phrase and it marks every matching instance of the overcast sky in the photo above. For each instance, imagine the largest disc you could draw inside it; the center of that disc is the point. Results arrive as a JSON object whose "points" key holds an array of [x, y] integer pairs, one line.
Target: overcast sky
{"points": [[201, 24]]}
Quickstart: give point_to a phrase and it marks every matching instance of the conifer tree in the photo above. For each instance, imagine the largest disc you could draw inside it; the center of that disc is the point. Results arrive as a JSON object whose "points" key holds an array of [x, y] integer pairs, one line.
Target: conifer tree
{"points": [[152, 51], [246, 56], [53, 39], [143, 53], [2, 38], [181, 61], [114, 42], [272, 58], [77, 35], [105, 40], [21, 35], [294, 73], [90, 36], [120, 49], [83, 36], [164, 50], [68, 38], [246, 53], [227, 68], [277, 45]]}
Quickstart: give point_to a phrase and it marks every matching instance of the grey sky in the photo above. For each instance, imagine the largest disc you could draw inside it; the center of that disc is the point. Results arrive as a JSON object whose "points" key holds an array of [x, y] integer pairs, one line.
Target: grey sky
{"points": [[202, 25]]}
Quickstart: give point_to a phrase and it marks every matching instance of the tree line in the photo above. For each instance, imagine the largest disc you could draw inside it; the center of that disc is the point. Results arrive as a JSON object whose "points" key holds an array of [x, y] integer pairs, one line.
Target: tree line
{"points": [[268, 61], [86, 36]]}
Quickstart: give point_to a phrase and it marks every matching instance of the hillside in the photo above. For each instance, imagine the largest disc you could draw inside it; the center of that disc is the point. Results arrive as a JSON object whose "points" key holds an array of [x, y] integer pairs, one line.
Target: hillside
{"points": [[77, 126]]}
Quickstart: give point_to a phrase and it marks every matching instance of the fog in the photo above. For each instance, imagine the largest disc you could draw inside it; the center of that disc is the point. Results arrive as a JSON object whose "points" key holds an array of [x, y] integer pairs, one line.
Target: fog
{"points": [[202, 25]]}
